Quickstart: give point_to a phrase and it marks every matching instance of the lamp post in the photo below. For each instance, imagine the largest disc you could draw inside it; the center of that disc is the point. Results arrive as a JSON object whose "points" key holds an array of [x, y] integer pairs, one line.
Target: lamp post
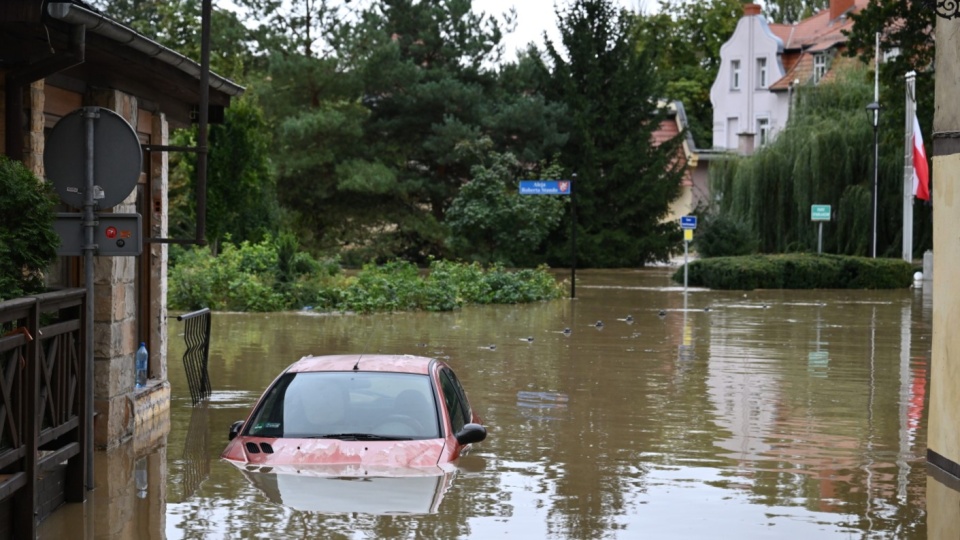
{"points": [[873, 111]]}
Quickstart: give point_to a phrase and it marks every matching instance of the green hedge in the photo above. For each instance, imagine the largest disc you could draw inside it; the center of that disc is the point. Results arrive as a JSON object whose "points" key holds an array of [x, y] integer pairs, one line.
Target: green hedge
{"points": [[797, 271], [273, 275]]}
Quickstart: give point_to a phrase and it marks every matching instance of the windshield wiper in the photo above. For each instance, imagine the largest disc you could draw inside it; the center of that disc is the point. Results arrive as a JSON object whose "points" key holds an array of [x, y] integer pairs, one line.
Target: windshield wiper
{"points": [[359, 437]]}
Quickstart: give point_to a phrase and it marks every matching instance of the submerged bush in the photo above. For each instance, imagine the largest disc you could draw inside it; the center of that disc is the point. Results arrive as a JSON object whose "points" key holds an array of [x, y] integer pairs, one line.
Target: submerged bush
{"points": [[274, 275], [797, 271]]}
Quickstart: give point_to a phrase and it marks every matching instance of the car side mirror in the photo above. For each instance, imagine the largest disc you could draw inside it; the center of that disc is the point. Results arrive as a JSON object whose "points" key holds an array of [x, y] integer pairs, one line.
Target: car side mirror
{"points": [[471, 433], [235, 429]]}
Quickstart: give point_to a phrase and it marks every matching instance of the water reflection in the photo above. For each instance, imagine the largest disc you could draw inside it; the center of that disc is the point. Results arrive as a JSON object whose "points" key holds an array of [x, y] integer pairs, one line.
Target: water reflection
{"points": [[768, 414], [299, 490]]}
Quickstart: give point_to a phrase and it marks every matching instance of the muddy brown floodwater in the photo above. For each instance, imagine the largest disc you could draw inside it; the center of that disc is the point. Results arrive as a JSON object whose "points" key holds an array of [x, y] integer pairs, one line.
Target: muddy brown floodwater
{"points": [[715, 414]]}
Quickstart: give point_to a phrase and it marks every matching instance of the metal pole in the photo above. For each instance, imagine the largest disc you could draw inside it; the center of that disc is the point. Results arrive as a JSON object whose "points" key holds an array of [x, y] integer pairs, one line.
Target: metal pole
{"points": [[820, 238], [202, 147], [90, 114], [876, 156], [686, 250], [876, 140], [573, 237]]}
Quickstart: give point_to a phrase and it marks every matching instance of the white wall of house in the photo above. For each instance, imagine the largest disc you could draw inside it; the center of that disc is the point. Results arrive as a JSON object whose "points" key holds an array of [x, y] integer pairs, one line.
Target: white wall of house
{"points": [[742, 103]]}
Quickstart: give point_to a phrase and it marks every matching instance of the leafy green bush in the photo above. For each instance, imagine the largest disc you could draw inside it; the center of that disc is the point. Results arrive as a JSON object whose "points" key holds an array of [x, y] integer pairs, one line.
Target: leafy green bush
{"points": [[247, 277], [28, 242], [797, 271], [721, 236], [272, 275]]}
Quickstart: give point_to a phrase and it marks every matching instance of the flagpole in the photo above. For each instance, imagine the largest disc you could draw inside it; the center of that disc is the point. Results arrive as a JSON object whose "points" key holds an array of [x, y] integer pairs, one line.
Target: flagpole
{"points": [[909, 112], [876, 142]]}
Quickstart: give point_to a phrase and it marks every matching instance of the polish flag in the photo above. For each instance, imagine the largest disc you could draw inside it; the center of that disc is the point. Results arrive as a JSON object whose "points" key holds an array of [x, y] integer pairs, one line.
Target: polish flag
{"points": [[921, 173]]}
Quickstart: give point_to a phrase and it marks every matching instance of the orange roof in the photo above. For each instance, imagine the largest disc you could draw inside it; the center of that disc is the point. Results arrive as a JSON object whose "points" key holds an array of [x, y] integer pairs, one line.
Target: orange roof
{"points": [[817, 33], [669, 128], [818, 30]]}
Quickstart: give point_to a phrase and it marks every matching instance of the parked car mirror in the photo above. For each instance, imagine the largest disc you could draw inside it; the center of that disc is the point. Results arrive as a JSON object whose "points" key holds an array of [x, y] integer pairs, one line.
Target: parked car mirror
{"points": [[471, 433], [235, 429]]}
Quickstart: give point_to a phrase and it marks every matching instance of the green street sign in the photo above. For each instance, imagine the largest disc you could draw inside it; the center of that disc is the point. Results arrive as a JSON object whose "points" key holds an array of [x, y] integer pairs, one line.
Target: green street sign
{"points": [[820, 212]]}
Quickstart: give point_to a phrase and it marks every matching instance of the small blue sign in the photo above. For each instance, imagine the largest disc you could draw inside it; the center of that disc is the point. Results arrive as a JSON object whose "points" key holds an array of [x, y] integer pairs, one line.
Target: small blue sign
{"points": [[544, 187], [688, 222]]}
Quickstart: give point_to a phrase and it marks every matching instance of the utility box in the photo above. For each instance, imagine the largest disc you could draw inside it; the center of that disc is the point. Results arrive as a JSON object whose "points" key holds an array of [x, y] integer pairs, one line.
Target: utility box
{"points": [[115, 235]]}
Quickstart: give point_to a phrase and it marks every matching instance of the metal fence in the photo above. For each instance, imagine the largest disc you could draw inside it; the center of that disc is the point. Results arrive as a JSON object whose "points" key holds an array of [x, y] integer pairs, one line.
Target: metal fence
{"points": [[195, 360]]}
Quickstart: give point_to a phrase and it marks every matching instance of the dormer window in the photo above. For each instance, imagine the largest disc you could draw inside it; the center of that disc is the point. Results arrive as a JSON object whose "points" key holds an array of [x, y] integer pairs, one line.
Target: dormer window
{"points": [[734, 74], [819, 67]]}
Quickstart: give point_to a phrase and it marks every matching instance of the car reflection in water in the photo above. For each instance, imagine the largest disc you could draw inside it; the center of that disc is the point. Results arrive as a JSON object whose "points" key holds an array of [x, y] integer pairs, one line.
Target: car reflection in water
{"points": [[357, 433], [313, 490]]}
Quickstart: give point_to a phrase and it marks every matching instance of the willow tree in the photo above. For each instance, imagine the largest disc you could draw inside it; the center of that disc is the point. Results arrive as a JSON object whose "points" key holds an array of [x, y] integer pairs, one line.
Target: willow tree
{"points": [[824, 156]]}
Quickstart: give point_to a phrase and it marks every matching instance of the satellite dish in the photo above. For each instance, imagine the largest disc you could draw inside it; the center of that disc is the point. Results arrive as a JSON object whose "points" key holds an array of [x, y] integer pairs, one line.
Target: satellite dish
{"points": [[117, 158]]}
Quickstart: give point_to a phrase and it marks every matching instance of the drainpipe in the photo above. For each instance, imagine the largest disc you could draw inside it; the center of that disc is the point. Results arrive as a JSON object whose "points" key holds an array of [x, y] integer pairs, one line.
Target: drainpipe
{"points": [[202, 151], [18, 79]]}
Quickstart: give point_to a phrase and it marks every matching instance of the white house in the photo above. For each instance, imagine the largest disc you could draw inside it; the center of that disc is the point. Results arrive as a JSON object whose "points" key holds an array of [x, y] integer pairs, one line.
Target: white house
{"points": [[762, 63]]}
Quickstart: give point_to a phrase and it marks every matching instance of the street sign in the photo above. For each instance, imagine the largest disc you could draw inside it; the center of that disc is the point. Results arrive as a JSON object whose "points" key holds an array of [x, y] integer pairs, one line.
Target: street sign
{"points": [[688, 222], [820, 212], [688, 235], [544, 187], [116, 235], [116, 158]]}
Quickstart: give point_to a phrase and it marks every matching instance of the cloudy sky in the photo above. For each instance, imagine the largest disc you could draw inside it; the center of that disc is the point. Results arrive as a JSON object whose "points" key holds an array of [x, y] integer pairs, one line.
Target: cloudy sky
{"points": [[536, 16]]}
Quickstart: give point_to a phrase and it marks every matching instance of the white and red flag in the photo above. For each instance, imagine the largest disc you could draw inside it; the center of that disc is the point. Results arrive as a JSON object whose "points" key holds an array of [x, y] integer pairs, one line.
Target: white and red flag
{"points": [[921, 172]]}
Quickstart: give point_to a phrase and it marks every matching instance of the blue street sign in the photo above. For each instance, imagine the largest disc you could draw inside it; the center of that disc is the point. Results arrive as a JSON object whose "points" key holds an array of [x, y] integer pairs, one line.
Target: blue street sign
{"points": [[688, 222], [544, 187]]}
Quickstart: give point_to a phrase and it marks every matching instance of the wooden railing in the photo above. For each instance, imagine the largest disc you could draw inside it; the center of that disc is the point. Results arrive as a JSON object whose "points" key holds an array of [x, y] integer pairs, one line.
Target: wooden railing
{"points": [[42, 396]]}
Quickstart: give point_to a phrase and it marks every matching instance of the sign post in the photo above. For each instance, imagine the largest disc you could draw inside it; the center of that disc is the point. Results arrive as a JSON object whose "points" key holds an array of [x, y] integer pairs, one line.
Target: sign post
{"points": [[820, 213], [93, 158], [559, 187], [688, 224]]}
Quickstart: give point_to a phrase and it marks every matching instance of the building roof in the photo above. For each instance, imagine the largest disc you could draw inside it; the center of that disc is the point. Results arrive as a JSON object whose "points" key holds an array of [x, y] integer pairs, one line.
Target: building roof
{"points": [[819, 31], [33, 33], [816, 34]]}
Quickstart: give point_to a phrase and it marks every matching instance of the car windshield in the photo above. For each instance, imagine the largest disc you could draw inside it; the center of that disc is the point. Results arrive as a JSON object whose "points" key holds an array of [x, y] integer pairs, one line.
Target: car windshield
{"points": [[348, 405]]}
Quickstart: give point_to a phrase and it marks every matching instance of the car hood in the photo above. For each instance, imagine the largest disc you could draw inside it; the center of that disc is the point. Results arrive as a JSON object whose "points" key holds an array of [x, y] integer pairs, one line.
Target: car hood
{"points": [[312, 490], [356, 458]]}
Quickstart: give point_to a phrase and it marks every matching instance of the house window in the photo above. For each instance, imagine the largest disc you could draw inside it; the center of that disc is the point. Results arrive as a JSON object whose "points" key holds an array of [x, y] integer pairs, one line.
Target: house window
{"points": [[763, 131], [735, 75], [761, 72], [819, 67]]}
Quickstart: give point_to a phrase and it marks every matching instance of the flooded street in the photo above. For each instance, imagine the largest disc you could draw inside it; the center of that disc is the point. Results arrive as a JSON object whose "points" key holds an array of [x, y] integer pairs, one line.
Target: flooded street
{"points": [[766, 414]]}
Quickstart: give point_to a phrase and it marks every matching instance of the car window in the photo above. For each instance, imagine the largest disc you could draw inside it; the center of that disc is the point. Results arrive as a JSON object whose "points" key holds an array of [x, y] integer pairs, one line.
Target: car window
{"points": [[467, 412], [455, 408], [316, 404]]}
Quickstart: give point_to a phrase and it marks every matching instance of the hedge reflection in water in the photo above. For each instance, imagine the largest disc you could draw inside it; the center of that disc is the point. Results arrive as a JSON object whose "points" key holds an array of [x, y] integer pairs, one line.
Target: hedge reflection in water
{"points": [[767, 413]]}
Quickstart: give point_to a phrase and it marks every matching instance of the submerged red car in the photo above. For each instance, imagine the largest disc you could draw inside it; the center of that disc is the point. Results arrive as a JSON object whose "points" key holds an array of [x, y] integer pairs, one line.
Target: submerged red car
{"points": [[359, 415]]}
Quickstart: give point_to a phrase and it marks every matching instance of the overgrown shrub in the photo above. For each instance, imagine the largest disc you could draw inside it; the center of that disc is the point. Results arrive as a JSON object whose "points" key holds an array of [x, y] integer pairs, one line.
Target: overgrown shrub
{"points": [[721, 236], [274, 275], [247, 277], [797, 271], [28, 242]]}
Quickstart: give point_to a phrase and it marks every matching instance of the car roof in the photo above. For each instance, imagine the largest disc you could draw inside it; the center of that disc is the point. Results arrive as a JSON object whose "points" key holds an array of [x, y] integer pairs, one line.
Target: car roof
{"points": [[397, 363]]}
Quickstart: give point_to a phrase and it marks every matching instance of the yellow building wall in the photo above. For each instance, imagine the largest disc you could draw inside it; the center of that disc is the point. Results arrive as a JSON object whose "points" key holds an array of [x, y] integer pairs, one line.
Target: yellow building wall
{"points": [[943, 440]]}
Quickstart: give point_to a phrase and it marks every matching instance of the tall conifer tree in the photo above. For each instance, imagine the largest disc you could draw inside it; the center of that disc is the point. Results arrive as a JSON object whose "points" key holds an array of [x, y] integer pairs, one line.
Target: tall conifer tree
{"points": [[625, 182]]}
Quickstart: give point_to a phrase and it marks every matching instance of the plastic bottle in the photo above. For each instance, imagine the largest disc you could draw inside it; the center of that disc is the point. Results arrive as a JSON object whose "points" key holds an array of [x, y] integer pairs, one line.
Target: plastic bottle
{"points": [[141, 365]]}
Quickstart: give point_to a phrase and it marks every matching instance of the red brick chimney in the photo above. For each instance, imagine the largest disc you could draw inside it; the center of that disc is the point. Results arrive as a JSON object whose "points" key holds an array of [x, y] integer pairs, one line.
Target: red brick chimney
{"points": [[839, 7], [754, 9]]}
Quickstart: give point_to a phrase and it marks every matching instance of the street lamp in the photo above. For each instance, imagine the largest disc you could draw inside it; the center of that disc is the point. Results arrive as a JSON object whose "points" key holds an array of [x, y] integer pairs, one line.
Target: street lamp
{"points": [[873, 111]]}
